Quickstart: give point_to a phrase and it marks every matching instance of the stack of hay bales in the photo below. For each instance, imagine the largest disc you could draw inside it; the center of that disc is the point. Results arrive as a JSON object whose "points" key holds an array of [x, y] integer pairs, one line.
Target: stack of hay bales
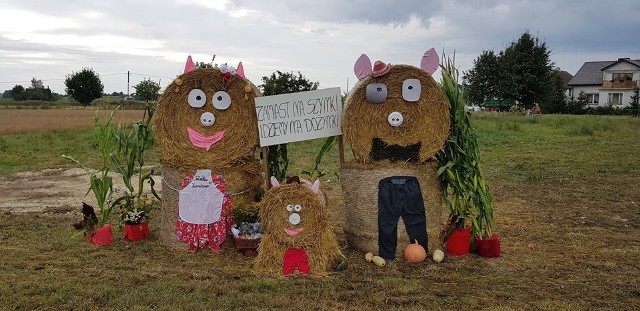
{"points": [[382, 149], [233, 156], [315, 234]]}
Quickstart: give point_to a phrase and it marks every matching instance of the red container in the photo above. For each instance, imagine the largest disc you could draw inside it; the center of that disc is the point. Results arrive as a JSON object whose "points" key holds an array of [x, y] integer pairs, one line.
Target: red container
{"points": [[100, 236], [136, 232], [459, 242], [489, 247]]}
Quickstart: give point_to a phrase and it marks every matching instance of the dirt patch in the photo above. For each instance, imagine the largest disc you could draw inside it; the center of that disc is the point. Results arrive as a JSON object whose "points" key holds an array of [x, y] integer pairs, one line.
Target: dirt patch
{"points": [[49, 191]]}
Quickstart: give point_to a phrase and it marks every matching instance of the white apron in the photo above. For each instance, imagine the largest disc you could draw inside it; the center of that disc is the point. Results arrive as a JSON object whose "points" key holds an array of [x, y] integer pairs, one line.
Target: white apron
{"points": [[200, 202]]}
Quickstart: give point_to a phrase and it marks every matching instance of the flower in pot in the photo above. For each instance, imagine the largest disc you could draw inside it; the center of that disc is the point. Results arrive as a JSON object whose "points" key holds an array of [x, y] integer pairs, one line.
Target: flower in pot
{"points": [[134, 213], [247, 231]]}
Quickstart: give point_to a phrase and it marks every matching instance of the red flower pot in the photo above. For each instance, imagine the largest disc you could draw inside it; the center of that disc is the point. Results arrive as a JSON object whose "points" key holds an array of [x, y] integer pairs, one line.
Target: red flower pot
{"points": [[459, 242], [489, 247], [100, 236], [136, 232]]}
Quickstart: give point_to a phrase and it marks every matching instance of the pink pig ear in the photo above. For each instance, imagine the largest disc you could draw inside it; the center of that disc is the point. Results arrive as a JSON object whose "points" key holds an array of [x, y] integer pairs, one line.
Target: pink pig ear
{"points": [[274, 181], [430, 61], [189, 66], [362, 67], [240, 70], [316, 186]]}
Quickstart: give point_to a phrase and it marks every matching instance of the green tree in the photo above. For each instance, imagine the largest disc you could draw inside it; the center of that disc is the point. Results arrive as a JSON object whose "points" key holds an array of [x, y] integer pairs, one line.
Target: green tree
{"points": [[481, 82], [555, 99], [147, 90], [525, 67], [36, 83], [578, 105], [84, 86], [634, 103], [16, 91], [283, 83]]}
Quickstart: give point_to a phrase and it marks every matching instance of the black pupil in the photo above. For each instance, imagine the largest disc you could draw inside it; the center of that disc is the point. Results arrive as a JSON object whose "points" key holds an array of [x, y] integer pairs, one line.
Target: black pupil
{"points": [[219, 98], [198, 97], [410, 87], [379, 89]]}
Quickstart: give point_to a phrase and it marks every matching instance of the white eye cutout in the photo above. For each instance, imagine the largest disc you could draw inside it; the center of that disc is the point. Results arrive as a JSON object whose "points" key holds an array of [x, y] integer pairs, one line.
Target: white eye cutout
{"points": [[376, 93], [411, 90], [221, 100], [297, 207], [197, 99], [290, 208]]}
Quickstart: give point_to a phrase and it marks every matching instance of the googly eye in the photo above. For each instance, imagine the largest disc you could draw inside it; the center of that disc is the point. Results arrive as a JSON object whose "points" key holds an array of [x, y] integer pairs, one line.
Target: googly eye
{"points": [[197, 99], [221, 100], [376, 93], [290, 208], [297, 207], [411, 90]]}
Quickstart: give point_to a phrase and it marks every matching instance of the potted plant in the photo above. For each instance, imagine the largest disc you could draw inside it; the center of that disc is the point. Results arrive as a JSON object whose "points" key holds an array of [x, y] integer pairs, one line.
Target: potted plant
{"points": [[247, 231], [96, 228], [128, 159], [464, 186]]}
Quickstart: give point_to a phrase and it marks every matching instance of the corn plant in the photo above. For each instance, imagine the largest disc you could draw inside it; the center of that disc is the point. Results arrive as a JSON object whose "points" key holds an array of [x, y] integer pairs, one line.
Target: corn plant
{"points": [[464, 188]]}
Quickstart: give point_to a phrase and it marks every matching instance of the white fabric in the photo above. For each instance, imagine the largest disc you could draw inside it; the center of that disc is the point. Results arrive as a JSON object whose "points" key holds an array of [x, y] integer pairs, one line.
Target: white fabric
{"points": [[200, 202]]}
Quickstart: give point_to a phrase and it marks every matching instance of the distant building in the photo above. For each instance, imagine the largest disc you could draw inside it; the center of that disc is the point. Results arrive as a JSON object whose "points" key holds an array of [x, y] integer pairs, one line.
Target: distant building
{"points": [[607, 83]]}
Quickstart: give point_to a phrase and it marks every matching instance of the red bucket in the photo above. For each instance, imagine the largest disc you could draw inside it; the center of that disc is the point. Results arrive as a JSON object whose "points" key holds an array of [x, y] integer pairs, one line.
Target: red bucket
{"points": [[136, 232], [459, 242], [489, 247], [101, 236]]}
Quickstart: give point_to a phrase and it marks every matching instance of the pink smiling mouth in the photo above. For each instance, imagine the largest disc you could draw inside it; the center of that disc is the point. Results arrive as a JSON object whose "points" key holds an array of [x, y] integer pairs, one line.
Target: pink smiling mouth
{"points": [[202, 141], [292, 232]]}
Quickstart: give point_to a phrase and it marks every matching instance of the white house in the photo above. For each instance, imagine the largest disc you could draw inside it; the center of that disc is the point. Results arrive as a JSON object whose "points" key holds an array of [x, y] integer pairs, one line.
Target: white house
{"points": [[607, 82]]}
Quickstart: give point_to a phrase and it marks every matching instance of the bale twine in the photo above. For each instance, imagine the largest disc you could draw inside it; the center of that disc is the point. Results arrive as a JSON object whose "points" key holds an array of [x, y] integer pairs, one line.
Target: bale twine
{"points": [[174, 115], [426, 122], [316, 237], [242, 180], [360, 186]]}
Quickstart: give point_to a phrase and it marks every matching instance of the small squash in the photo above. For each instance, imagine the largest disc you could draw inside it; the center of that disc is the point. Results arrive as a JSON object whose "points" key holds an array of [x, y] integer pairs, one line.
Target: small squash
{"points": [[415, 253], [438, 256], [368, 257], [379, 261]]}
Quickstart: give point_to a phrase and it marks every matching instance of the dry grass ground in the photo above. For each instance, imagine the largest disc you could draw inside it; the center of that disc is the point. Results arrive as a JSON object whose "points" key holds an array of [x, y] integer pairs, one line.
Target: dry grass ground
{"points": [[17, 121], [567, 209]]}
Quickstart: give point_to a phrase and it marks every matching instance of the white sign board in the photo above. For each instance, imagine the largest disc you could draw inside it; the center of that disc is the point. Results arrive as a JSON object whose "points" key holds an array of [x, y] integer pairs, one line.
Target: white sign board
{"points": [[299, 116]]}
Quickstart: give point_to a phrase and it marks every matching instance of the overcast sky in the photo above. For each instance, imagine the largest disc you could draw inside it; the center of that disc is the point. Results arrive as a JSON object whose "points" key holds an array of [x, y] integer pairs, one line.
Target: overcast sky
{"points": [[321, 39]]}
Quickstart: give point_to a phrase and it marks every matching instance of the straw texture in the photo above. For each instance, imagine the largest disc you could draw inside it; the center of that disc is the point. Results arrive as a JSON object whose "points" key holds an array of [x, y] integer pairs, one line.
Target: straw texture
{"points": [[316, 237], [360, 186], [426, 122]]}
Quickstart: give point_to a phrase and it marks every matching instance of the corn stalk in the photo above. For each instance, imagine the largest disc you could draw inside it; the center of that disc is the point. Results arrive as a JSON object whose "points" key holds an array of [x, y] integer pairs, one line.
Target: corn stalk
{"points": [[464, 187]]}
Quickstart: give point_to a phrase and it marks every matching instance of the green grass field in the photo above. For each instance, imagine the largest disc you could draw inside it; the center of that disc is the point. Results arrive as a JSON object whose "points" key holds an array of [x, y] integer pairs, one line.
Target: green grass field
{"points": [[566, 204]]}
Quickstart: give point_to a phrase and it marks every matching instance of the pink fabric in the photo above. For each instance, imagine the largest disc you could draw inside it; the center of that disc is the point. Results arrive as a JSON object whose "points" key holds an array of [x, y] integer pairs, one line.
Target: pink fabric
{"points": [[202, 141], [430, 61], [189, 66], [240, 70], [295, 258], [199, 236], [362, 67], [380, 69]]}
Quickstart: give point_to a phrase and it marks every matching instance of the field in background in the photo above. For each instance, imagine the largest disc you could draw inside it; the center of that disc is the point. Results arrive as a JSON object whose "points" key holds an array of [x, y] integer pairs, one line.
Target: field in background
{"points": [[17, 121], [566, 202]]}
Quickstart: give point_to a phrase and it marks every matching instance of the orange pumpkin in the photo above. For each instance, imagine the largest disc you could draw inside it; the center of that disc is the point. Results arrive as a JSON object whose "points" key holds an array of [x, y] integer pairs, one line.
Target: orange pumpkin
{"points": [[415, 252]]}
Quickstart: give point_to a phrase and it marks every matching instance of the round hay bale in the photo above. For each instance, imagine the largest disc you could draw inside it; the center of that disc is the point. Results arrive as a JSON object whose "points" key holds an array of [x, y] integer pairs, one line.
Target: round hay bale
{"points": [[237, 123], [314, 233], [422, 133], [242, 180], [360, 186]]}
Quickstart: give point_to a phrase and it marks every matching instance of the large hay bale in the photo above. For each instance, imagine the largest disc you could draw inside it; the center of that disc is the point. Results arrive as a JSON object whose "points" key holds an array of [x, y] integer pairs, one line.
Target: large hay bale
{"points": [[425, 125], [314, 233], [360, 186]]}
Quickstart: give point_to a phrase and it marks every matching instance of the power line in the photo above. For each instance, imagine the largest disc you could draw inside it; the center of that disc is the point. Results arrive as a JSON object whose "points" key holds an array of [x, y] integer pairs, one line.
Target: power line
{"points": [[101, 75]]}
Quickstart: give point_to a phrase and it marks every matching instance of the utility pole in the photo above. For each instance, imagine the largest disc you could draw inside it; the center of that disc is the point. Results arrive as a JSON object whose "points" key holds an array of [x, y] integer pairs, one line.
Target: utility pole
{"points": [[128, 76]]}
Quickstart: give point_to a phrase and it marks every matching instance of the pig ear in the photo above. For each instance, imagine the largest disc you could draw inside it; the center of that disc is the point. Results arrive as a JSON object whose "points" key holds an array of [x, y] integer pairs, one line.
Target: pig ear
{"points": [[430, 61], [189, 66], [240, 70], [362, 67], [274, 182], [316, 186]]}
